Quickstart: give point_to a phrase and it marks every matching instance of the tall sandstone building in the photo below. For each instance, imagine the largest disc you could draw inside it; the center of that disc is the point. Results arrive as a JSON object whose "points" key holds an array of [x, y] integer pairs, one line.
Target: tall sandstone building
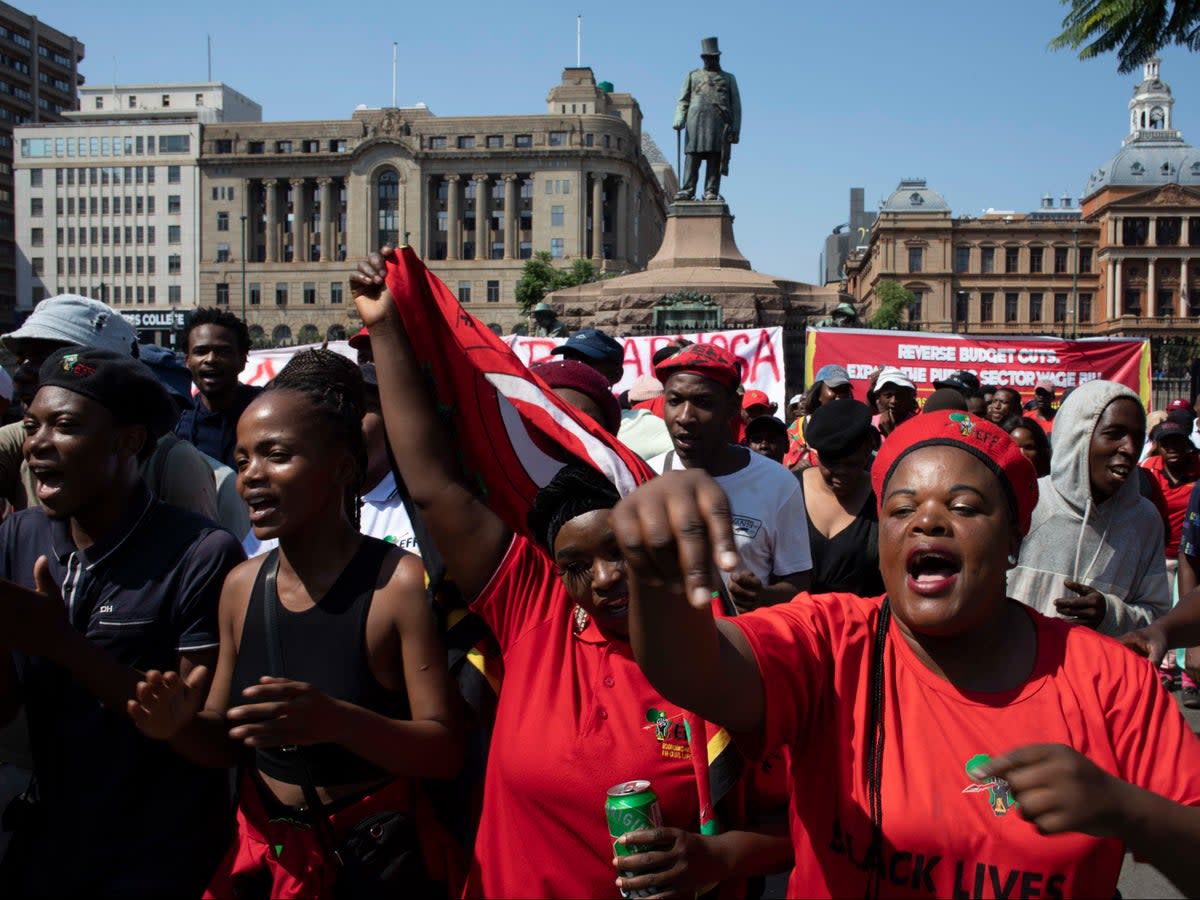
{"points": [[1124, 260], [286, 207]]}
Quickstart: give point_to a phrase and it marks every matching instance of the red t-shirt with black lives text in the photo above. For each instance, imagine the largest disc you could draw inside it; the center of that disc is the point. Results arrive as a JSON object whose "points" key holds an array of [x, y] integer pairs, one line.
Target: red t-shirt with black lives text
{"points": [[576, 716], [944, 834]]}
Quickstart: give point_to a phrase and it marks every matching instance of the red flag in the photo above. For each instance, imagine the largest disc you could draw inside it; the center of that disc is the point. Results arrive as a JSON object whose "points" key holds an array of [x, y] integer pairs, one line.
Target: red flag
{"points": [[512, 432]]}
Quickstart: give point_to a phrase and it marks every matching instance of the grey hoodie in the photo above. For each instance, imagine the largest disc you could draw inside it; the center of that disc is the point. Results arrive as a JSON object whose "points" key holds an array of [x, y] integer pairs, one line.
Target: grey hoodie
{"points": [[1115, 547]]}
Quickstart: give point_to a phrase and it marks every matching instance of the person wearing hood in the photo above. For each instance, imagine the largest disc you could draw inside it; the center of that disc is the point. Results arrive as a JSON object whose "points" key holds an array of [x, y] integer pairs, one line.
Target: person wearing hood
{"points": [[1094, 549]]}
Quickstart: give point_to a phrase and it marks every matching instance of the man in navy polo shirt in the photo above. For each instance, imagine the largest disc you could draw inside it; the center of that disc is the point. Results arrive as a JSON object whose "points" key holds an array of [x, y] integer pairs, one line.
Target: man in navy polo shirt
{"points": [[101, 585], [217, 344]]}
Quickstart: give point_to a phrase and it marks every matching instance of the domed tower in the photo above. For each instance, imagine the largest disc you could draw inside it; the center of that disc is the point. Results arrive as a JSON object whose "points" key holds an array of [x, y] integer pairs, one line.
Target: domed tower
{"points": [[1150, 108]]}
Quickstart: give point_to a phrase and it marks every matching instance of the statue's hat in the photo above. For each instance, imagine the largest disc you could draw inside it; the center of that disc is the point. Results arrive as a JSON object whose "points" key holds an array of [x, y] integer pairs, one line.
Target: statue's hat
{"points": [[708, 47], [544, 308]]}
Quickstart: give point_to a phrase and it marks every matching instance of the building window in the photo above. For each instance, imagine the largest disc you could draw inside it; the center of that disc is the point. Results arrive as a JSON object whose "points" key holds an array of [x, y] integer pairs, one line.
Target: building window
{"points": [[557, 248], [1010, 307], [556, 216], [310, 146], [335, 292], [173, 234], [174, 143], [915, 256], [1085, 259], [1135, 231], [283, 146], [174, 294], [35, 178], [166, 101], [466, 142], [495, 141], [222, 253], [523, 140], [493, 292], [223, 146], [1060, 309], [962, 259], [222, 294], [38, 264], [525, 250], [173, 173], [962, 307], [133, 101], [1035, 259], [35, 206], [37, 237], [915, 311], [985, 306], [1167, 230], [1035, 307], [387, 197], [255, 148], [281, 291], [1085, 308], [310, 293], [557, 138], [174, 264], [222, 220], [254, 289], [987, 260], [464, 292], [1012, 259], [173, 203], [437, 143]]}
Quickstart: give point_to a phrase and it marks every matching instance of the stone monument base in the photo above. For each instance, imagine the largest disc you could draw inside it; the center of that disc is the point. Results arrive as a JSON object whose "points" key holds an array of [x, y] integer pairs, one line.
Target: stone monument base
{"points": [[698, 233]]}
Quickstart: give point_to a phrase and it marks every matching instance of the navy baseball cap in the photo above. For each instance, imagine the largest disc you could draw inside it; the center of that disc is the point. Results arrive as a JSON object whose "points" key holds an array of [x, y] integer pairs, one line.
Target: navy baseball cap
{"points": [[592, 343]]}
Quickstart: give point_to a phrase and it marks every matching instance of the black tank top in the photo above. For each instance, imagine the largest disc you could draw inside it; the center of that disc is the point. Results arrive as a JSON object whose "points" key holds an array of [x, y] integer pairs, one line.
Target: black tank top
{"points": [[326, 647]]}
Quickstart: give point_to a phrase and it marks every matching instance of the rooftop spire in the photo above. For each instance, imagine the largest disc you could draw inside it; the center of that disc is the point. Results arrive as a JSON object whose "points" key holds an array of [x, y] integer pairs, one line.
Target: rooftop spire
{"points": [[1150, 108]]}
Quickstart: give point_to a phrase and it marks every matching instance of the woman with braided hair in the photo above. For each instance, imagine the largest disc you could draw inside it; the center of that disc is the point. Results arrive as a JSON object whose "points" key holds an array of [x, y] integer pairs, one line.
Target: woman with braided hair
{"points": [[330, 691], [942, 739]]}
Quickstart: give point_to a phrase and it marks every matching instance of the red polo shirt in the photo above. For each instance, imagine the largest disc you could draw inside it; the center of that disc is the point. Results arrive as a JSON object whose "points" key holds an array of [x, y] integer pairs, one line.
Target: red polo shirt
{"points": [[576, 716], [944, 834], [1175, 496]]}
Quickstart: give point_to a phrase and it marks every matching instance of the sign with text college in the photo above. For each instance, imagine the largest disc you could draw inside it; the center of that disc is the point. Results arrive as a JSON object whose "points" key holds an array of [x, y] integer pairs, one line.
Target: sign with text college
{"points": [[1017, 362]]}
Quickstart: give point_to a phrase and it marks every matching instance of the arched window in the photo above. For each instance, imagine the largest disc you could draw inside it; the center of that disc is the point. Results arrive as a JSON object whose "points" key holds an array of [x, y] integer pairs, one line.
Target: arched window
{"points": [[336, 333], [387, 200], [281, 336]]}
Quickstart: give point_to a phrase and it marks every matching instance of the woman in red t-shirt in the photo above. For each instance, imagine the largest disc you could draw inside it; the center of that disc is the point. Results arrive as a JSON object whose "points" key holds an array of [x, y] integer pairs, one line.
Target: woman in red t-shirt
{"points": [[948, 723], [576, 716]]}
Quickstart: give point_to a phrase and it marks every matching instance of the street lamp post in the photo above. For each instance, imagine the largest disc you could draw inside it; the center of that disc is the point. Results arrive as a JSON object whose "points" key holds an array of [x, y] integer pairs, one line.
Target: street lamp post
{"points": [[244, 270]]}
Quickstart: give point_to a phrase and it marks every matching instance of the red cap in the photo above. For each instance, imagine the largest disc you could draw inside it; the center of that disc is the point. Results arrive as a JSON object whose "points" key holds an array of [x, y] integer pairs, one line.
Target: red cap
{"points": [[1178, 404], [988, 443], [755, 398], [362, 339], [707, 360]]}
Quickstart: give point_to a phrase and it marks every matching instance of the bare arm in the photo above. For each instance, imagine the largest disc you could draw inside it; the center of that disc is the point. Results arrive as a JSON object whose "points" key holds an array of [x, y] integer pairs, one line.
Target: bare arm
{"points": [[1189, 573], [471, 538], [670, 531]]}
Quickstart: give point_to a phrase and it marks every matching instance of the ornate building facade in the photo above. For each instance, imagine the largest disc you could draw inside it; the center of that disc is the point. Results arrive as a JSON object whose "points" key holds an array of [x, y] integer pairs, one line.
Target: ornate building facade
{"points": [[285, 206], [1124, 260]]}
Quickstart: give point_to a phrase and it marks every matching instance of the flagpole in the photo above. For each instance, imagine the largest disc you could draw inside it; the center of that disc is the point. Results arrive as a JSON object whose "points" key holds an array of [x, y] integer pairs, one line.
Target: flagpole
{"points": [[395, 50]]}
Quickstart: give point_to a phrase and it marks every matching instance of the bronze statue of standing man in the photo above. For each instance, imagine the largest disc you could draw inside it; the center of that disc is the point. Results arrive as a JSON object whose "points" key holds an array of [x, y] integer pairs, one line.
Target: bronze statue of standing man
{"points": [[711, 109]]}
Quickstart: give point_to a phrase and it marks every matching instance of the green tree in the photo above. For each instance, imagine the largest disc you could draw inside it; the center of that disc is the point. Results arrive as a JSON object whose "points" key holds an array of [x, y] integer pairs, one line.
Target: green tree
{"points": [[893, 303], [1136, 29], [539, 277], [308, 335]]}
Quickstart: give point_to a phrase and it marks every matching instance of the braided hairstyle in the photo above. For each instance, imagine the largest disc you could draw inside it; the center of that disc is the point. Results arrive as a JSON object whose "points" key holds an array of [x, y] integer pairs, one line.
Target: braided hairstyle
{"points": [[576, 489], [334, 386]]}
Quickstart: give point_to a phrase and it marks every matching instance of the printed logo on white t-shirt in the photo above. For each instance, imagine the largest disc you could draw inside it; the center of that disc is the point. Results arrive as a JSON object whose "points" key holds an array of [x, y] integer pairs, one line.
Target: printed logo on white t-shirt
{"points": [[746, 527]]}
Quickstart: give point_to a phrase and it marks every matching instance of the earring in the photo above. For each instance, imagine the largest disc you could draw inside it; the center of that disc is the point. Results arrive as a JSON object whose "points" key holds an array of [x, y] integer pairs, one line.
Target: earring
{"points": [[581, 619], [1012, 559]]}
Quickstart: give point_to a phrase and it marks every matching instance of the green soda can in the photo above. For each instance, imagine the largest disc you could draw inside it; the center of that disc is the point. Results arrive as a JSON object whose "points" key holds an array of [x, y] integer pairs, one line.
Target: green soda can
{"points": [[631, 806]]}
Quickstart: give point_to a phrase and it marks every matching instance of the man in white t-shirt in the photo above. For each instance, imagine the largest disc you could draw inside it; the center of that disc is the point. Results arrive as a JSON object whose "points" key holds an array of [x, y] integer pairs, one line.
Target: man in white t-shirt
{"points": [[770, 525]]}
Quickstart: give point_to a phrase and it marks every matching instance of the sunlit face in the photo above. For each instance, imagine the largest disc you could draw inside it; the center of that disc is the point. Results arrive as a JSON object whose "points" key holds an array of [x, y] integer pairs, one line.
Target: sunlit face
{"points": [[899, 401], [1004, 404], [829, 394], [945, 533], [214, 359], [290, 473], [1115, 446], [75, 449], [593, 570], [697, 411]]}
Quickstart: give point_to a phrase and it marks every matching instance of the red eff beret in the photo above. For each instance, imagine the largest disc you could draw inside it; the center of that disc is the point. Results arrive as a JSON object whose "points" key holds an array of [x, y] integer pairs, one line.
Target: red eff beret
{"points": [[706, 360], [988, 443], [571, 373]]}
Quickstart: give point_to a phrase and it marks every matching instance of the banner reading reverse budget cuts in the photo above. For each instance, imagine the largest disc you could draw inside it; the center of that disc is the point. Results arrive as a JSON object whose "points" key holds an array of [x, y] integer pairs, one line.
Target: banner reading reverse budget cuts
{"points": [[1017, 362]]}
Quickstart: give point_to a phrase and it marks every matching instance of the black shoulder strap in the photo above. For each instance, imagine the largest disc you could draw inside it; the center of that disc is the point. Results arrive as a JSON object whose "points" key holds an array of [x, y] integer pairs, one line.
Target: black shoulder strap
{"points": [[669, 462]]}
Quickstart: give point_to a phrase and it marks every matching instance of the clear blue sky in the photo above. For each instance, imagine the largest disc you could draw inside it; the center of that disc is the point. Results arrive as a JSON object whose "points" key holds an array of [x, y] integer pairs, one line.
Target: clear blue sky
{"points": [[834, 95]]}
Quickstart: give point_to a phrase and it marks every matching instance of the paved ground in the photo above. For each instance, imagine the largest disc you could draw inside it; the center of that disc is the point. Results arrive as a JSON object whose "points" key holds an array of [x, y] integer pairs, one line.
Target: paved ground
{"points": [[1138, 882]]}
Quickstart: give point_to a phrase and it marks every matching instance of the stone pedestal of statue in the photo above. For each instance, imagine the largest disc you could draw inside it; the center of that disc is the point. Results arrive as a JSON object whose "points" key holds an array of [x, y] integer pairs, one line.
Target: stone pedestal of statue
{"points": [[698, 233]]}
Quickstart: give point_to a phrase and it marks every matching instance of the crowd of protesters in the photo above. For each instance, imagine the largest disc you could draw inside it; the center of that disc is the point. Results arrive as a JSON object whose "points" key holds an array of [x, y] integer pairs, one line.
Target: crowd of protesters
{"points": [[284, 641]]}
